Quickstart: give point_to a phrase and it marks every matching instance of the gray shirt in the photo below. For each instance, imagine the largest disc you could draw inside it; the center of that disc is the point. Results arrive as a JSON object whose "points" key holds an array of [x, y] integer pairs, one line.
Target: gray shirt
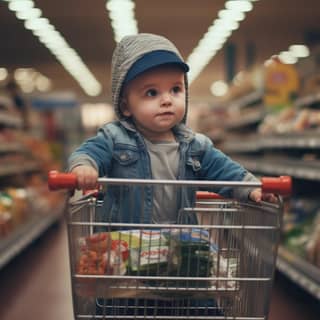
{"points": [[164, 157]]}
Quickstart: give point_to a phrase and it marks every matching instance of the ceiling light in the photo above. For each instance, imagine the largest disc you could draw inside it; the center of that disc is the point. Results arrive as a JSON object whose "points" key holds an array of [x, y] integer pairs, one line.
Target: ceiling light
{"points": [[54, 41], [20, 5], [32, 13], [231, 15], [42, 83], [37, 24], [226, 25], [3, 74], [219, 88], [239, 5], [21, 74], [287, 57], [299, 50], [217, 34], [122, 16]]}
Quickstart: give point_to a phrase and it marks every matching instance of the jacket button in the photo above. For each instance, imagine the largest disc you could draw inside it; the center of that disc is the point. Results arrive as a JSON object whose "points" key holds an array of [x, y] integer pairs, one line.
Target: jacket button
{"points": [[123, 156]]}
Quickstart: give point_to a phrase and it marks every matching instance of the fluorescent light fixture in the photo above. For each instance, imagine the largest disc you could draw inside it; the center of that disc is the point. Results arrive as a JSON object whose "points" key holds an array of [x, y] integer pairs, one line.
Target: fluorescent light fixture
{"points": [[299, 50], [223, 24], [30, 79], [231, 15], [292, 55], [3, 74], [32, 13], [22, 74], [42, 83], [37, 24], [122, 16], [239, 5], [287, 57], [217, 34], [20, 5], [54, 41], [219, 88]]}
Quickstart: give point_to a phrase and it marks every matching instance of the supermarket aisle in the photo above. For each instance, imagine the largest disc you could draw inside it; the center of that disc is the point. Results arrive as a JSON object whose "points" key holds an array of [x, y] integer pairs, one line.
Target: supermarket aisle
{"points": [[36, 286]]}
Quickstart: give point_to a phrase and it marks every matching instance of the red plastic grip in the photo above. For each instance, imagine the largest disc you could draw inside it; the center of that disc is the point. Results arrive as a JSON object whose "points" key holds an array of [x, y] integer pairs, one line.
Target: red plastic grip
{"points": [[208, 195], [59, 181], [281, 185]]}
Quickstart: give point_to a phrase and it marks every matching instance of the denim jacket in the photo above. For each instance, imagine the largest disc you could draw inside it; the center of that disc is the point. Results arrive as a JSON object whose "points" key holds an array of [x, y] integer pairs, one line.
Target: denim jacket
{"points": [[119, 151]]}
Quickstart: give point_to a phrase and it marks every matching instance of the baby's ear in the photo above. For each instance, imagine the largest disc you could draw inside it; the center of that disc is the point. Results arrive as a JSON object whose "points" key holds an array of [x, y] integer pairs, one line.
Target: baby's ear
{"points": [[124, 107]]}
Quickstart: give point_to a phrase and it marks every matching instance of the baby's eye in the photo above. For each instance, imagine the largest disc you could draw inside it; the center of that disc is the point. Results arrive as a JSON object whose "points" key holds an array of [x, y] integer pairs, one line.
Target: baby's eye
{"points": [[151, 93], [176, 89]]}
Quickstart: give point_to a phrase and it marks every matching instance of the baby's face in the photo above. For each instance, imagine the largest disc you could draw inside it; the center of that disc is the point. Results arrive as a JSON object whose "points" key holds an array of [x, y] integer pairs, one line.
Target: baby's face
{"points": [[156, 102]]}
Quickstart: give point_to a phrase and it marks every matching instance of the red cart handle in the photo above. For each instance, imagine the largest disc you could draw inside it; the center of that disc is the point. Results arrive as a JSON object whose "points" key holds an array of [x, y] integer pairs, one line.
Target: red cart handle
{"points": [[281, 185], [58, 180]]}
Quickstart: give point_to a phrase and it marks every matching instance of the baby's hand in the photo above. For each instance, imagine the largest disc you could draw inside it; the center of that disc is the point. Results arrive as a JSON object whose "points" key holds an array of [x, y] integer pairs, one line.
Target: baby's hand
{"points": [[86, 177], [257, 195]]}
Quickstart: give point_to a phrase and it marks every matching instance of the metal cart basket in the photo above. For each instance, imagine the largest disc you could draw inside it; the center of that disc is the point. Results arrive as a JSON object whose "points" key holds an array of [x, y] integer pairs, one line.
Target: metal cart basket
{"points": [[215, 261]]}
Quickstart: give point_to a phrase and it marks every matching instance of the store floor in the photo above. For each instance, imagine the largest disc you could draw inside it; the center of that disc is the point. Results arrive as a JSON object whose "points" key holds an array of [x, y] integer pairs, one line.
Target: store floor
{"points": [[36, 286]]}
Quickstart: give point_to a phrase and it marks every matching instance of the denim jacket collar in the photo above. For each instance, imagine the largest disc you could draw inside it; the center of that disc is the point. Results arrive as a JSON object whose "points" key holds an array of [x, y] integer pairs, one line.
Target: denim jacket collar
{"points": [[181, 131]]}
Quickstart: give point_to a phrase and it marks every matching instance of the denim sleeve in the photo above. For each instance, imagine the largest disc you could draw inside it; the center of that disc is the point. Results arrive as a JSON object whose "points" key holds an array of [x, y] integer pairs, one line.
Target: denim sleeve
{"points": [[95, 152], [218, 166]]}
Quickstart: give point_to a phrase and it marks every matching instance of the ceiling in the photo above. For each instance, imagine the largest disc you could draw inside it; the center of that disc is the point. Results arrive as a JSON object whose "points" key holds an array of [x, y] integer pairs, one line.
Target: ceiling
{"points": [[270, 27]]}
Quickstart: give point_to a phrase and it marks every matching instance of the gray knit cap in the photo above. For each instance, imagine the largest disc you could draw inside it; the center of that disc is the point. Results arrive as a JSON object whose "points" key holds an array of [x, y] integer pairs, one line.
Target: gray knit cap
{"points": [[127, 52]]}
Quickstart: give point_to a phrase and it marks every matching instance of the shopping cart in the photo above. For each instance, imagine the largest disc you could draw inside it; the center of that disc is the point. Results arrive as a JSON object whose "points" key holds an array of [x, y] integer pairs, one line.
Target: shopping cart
{"points": [[216, 261]]}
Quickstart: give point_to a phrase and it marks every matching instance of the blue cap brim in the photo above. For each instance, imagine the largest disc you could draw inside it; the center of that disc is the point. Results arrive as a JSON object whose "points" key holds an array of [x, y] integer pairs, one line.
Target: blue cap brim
{"points": [[154, 59]]}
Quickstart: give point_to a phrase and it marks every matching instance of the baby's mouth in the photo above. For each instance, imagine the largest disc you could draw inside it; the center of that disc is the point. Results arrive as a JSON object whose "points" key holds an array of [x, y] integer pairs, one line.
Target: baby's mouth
{"points": [[166, 113]]}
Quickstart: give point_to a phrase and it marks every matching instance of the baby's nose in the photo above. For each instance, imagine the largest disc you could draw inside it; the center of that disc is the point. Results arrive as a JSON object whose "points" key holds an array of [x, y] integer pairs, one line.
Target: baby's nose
{"points": [[166, 99]]}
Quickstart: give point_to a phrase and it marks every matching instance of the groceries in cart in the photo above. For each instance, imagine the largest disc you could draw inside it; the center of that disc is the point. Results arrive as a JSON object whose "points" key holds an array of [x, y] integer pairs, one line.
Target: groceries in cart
{"points": [[175, 252]]}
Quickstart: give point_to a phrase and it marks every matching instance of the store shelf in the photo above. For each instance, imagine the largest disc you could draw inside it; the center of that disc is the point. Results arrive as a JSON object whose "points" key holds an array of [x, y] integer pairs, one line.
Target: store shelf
{"points": [[307, 100], [14, 169], [11, 147], [306, 140], [10, 120], [294, 168], [246, 100], [244, 121], [24, 235], [299, 271], [244, 145]]}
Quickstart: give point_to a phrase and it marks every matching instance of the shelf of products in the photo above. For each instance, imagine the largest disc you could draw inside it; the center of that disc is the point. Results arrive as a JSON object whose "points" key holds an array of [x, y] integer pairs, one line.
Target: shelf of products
{"points": [[305, 140], [285, 142], [250, 119], [10, 120], [294, 168], [27, 207], [293, 264], [307, 100], [248, 99]]}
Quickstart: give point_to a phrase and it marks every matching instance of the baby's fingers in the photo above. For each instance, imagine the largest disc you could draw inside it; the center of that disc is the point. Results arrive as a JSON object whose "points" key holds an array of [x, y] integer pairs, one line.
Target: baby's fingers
{"points": [[86, 177], [269, 197]]}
